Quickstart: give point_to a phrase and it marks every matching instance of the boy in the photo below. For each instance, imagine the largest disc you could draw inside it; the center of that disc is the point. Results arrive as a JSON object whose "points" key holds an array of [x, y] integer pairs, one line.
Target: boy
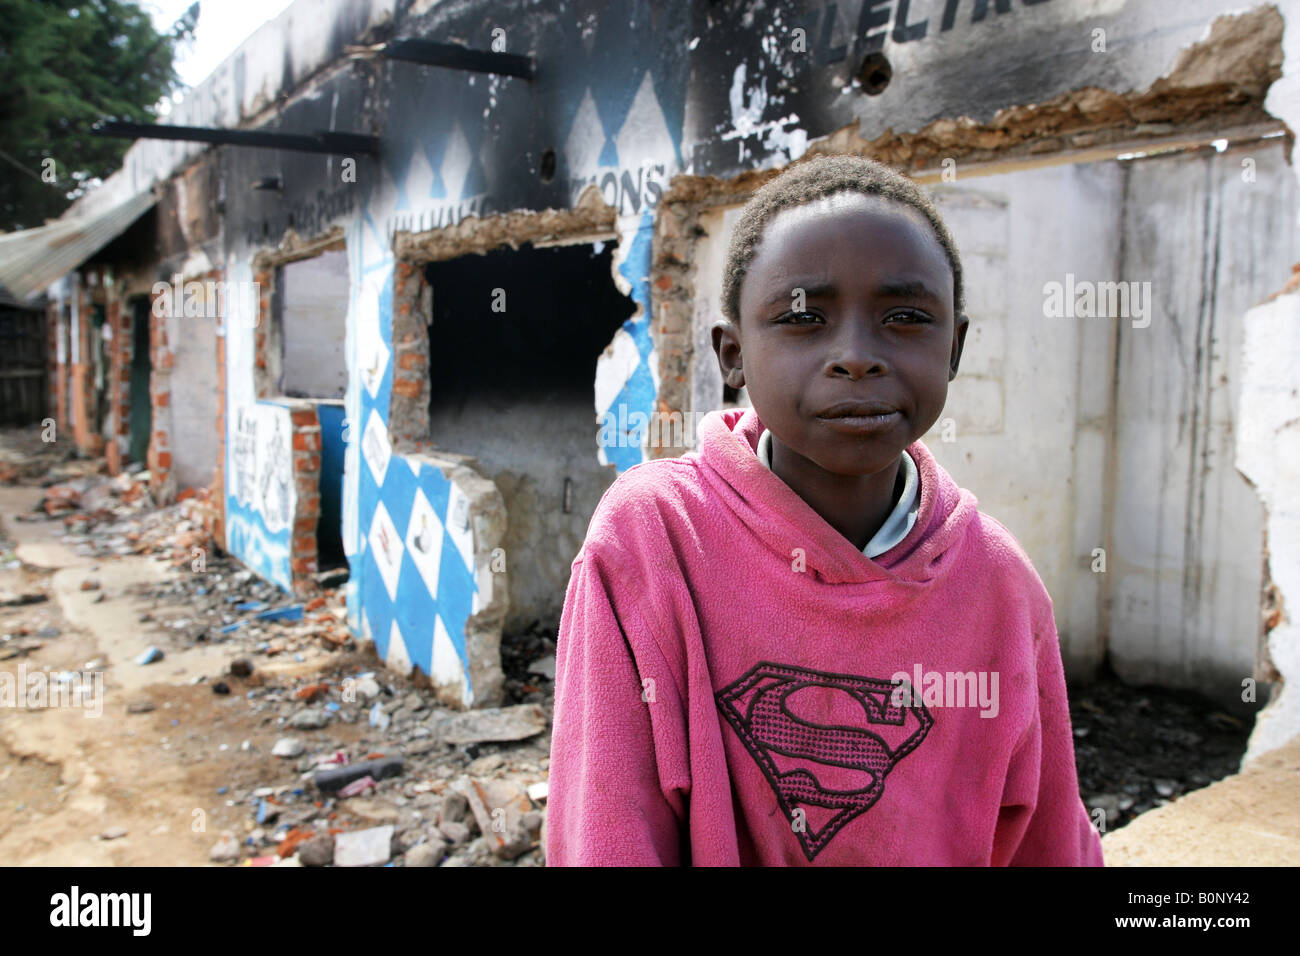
{"points": [[803, 644]]}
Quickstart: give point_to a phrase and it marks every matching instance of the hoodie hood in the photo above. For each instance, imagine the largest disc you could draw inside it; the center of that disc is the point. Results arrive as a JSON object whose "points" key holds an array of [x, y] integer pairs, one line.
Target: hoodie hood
{"points": [[728, 454]]}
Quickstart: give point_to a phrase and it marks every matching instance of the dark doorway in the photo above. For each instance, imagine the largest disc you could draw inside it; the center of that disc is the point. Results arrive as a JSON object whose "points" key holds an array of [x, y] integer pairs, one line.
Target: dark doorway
{"points": [[22, 364], [141, 370]]}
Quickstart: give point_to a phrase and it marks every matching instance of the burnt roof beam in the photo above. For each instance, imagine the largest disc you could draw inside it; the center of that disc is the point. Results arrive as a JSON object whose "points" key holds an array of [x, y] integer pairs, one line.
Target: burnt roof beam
{"points": [[457, 57], [323, 141]]}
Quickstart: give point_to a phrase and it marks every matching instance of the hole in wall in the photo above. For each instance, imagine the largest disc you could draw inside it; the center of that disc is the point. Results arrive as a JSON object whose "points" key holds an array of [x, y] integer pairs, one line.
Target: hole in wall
{"points": [[513, 348], [875, 73]]}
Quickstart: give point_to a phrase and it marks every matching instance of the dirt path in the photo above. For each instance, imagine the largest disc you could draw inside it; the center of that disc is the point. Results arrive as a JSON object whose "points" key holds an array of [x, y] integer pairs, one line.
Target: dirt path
{"points": [[66, 775]]}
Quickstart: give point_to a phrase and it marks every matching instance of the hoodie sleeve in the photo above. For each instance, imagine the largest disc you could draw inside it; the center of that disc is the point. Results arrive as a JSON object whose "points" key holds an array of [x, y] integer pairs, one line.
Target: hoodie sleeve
{"points": [[606, 805], [1043, 821]]}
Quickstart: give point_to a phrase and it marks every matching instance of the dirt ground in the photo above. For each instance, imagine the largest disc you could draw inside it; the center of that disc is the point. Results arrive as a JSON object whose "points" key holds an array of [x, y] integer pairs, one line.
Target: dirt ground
{"points": [[67, 777]]}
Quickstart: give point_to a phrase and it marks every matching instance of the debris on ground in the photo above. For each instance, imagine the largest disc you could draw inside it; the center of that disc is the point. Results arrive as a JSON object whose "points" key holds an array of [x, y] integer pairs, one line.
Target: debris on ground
{"points": [[1137, 748]]}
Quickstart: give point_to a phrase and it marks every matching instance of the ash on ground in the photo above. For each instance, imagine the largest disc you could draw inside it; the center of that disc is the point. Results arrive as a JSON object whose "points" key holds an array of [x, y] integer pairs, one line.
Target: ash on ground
{"points": [[1138, 748]]}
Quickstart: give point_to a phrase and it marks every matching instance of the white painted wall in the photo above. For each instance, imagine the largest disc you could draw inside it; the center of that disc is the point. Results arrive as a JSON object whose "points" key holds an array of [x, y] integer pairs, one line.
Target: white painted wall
{"points": [[1185, 568], [195, 388]]}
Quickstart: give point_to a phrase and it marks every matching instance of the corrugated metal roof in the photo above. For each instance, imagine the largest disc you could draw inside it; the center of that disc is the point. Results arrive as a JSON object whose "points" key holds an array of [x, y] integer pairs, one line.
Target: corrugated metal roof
{"points": [[8, 301], [33, 258]]}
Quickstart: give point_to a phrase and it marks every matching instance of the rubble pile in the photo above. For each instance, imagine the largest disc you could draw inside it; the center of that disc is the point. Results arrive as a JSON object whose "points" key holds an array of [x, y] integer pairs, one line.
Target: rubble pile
{"points": [[225, 603], [422, 786], [26, 458]]}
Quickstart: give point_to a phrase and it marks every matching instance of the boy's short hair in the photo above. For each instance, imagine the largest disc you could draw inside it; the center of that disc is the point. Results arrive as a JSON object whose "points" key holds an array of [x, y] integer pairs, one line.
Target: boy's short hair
{"points": [[814, 179]]}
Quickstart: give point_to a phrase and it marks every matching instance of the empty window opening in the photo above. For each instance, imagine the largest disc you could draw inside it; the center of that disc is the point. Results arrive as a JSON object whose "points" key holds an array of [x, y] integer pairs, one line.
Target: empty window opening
{"points": [[311, 309], [514, 339]]}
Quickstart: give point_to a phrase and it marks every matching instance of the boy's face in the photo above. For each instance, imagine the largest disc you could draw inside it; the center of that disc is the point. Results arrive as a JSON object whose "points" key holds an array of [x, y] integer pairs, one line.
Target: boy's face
{"points": [[850, 371]]}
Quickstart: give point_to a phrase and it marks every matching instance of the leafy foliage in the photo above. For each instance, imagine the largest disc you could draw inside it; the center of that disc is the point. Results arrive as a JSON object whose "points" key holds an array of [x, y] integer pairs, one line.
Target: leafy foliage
{"points": [[64, 64]]}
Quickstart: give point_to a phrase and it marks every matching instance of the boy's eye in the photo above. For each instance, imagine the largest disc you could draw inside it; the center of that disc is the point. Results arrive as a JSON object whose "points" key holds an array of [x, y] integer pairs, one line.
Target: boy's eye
{"points": [[908, 317], [798, 318]]}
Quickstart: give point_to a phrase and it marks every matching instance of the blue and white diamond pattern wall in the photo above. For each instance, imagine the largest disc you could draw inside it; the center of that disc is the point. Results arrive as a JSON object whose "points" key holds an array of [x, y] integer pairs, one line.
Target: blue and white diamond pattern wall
{"points": [[644, 132], [456, 162], [375, 447], [397, 657], [583, 145], [386, 548], [458, 526], [424, 541], [627, 372], [447, 669]]}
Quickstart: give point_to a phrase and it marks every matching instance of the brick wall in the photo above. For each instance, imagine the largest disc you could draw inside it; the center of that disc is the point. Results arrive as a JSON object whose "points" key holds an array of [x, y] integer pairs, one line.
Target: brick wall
{"points": [[306, 477], [118, 381], [408, 416], [159, 457]]}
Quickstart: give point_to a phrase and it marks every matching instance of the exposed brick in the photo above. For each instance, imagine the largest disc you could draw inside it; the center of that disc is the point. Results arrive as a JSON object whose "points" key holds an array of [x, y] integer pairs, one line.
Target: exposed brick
{"points": [[303, 416], [407, 388], [164, 459], [411, 360], [307, 440], [304, 544]]}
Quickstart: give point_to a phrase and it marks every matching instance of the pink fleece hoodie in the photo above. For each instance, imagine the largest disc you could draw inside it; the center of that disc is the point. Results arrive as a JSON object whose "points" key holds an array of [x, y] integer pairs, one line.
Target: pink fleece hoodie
{"points": [[726, 693]]}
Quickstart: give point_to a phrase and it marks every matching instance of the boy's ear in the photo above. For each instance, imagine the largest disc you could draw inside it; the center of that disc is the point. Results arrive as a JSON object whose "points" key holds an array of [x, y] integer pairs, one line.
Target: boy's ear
{"points": [[726, 344], [958, 343]]}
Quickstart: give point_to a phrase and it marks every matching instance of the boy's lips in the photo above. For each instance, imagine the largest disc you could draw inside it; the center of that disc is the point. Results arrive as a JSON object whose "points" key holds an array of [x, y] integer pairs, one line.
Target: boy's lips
{"points": [[857, 417]]}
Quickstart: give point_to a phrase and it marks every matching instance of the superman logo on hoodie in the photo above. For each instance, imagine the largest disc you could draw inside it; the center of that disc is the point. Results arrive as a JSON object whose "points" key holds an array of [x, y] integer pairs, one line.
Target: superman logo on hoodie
{"points": [[825, 742]]}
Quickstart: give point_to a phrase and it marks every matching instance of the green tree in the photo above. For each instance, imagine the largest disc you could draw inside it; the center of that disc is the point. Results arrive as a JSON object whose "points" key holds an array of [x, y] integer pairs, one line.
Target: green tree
{"points": [[63, 65]]}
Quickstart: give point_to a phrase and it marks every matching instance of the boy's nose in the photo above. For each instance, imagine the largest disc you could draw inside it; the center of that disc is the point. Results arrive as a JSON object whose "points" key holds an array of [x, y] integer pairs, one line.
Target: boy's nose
{"points": [[855, 353]]}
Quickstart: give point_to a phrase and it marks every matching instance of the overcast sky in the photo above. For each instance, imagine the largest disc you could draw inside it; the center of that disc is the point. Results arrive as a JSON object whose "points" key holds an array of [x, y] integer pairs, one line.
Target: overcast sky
{"points": [[223, 25]]}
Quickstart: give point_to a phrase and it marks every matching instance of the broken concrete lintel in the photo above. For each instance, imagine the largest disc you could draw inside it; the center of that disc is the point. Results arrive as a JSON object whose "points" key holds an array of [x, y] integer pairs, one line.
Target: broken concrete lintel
{"points": [[590, 214], [487, 525]]}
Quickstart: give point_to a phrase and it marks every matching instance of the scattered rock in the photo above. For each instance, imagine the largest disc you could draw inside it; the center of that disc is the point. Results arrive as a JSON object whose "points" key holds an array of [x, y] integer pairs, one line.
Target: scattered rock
{"points": [[90, 584], [313, 718], [364, 847], [221, 687], [241, 667], [288, 747], [493, 724], [425, 854], [510, 844], [375, 811], [318, 851], [457, 834], [545, 667], [455, 808], [485, 765], [139, 707], [226, 850], [113, 833]]}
